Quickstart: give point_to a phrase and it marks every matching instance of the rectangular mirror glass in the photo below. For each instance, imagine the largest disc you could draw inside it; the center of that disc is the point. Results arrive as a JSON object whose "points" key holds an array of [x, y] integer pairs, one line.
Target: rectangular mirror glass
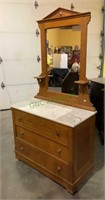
{"points": [[63, 58]]}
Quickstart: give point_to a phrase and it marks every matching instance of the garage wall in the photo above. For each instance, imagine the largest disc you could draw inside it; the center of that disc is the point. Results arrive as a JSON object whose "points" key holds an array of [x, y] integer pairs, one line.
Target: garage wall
{"points": [[19, 45], [19, 49]]}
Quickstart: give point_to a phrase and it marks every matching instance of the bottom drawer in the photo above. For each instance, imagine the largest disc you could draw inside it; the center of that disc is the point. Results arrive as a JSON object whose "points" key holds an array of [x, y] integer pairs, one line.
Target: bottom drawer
{"points": [[42, 159]]}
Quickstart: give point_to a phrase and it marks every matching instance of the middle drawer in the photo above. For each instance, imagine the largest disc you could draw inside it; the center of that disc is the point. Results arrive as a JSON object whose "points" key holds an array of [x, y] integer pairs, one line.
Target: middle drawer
{"points": [[43, 143]]}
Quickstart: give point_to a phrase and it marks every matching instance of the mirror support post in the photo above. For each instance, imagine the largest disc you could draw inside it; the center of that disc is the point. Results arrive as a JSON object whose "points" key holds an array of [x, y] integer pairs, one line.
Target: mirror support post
{"points": [[43, 49], [83, 51]]}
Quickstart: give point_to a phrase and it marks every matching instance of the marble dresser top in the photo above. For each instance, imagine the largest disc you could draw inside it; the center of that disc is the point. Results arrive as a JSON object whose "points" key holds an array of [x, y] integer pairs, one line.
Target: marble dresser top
{"points": [[62, 114]]}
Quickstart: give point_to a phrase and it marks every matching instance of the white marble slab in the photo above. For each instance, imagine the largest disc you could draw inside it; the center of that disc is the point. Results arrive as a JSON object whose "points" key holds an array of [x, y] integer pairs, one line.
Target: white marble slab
{"points": [[63, 114]]}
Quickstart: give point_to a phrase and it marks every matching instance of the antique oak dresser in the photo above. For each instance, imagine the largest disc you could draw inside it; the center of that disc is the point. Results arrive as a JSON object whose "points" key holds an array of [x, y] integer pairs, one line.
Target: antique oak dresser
{"points": [[55, 132]]}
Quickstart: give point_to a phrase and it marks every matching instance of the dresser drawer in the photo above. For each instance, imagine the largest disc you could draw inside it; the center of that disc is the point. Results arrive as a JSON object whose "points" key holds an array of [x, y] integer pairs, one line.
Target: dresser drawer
{"points": [[58, 150], [44, 127], [42, 159]]}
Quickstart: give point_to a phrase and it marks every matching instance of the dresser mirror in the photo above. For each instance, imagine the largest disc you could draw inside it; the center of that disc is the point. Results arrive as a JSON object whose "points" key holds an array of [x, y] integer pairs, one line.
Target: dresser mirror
{"points": [[63, 20], [63, 58]]}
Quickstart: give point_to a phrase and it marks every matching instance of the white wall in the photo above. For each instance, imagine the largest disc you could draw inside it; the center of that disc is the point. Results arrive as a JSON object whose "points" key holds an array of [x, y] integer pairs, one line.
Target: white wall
{"points": [[19, 49], [20, 45]]}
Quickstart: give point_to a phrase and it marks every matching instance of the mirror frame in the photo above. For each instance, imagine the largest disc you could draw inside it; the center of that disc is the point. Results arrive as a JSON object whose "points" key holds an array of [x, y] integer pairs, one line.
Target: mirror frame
{"points": [[59, 18]]}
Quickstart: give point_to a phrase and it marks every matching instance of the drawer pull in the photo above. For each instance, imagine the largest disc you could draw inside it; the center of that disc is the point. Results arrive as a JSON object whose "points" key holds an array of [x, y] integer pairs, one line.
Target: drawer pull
{"points": [[21, 148], [59, 151], [22, 133], [58, 169], [58, 133], [20, 119]]}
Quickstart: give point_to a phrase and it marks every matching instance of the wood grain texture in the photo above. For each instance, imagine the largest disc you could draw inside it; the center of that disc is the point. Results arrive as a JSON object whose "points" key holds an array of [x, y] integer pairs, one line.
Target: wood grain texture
{"points": [[64, 154], [64, 18]]}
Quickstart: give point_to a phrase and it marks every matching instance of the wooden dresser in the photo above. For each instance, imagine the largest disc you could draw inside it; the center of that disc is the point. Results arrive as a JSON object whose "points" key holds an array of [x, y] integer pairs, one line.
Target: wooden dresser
{"points": [[57, 142]]}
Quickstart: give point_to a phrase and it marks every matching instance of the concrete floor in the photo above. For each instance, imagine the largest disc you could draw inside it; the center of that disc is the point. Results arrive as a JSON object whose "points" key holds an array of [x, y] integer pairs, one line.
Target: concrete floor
{"points": [[19, 181]]}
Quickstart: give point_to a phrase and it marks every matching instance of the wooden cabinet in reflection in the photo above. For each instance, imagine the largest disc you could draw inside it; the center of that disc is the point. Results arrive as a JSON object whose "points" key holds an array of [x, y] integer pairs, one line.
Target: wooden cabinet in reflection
{"points": [[68, 85]]}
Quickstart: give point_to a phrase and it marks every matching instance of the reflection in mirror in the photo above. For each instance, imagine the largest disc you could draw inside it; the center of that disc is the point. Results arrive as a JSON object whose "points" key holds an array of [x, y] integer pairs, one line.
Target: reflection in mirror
{"points": [[63, 58]]}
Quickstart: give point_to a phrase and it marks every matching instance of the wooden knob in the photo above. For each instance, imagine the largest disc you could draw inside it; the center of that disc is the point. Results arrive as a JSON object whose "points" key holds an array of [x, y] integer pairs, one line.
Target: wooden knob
{"points": [[20, 119], [59, 151], [22, 133], [58, 169], [58, 133], [60, 13], [21, 148]]}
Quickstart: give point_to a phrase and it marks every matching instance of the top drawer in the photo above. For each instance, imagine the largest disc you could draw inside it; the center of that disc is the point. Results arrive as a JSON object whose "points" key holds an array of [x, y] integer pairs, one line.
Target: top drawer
{"points": [[41, 126]]}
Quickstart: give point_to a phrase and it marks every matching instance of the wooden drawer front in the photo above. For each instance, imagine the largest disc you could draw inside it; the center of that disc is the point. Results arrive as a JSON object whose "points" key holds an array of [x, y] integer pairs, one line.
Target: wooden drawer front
{"points": [[44, 160], [43, 143], [43, 126]]}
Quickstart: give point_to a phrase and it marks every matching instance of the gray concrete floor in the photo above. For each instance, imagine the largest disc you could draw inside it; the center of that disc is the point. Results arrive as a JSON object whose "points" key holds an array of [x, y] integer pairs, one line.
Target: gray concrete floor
{"points": [[19, 181]]}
